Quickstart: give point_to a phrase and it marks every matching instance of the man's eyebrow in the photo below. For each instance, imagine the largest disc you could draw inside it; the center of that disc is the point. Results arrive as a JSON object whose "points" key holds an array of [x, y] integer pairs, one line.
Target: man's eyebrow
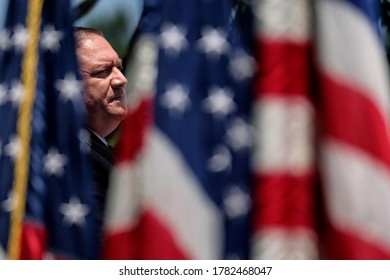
{"points": [[101, 66], [107, 65]]}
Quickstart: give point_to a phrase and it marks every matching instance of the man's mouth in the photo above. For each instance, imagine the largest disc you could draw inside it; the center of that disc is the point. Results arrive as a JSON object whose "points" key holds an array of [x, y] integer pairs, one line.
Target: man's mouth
{"points": [[118, 97]]}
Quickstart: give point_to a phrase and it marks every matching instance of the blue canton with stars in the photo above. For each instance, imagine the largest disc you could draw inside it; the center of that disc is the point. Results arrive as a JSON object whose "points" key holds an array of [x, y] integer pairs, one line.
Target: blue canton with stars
{"points": [[59, 197], [203, 100]]}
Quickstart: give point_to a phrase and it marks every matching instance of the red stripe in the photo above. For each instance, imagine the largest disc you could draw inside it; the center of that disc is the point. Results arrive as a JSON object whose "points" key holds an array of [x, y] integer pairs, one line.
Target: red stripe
{"points": [[150, 239], [284, 68], [122, 245], [133, 131], [338, 244], [282, 200], [34, 241], [348, 115]]}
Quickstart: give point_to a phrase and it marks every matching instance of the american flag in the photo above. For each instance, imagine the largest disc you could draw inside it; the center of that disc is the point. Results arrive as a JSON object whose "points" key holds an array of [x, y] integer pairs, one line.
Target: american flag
{"points": [[354, 147], [181, 188], [314, 135], [284, 210], [46, 207], [322, 126]]}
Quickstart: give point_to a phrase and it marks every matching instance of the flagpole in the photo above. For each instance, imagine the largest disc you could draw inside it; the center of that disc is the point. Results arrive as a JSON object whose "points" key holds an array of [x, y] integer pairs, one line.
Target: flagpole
{"points": [[28, 77]]}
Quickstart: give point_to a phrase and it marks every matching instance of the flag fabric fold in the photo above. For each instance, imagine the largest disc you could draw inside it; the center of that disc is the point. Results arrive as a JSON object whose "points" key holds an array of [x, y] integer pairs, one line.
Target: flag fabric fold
{"points": [[322, 127], [283, 197], [38, 63], [354, 146]]}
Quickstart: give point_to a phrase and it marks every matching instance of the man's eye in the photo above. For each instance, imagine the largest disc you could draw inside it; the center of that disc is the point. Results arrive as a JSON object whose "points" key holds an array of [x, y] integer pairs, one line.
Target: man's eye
{"points": [[101, 73]]}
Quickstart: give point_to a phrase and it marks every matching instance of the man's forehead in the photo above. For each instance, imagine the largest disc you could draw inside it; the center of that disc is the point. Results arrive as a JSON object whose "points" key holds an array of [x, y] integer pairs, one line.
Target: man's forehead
{"points": [[94, 41], [97, 49], [87, 43]]}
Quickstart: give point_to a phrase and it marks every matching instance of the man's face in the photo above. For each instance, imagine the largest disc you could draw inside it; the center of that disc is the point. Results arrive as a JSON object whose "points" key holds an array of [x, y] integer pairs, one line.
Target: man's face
{"points": [[104, 84]]}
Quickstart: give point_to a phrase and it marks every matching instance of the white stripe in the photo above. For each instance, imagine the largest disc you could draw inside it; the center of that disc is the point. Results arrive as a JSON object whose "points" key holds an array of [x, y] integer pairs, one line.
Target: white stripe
{"points": [[287, 20], [284, 244], [142, 70], [178, 199], [161, 181], [350, 51], [284, 135], [357, 189], [123, 197]]}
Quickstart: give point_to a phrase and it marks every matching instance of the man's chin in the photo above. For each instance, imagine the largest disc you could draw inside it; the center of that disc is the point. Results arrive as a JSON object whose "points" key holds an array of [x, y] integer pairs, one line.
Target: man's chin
{"points": [[118, 114]]}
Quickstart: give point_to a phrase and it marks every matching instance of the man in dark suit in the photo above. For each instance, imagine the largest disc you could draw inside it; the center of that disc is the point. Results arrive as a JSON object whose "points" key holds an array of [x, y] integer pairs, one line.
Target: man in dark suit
{"points": [[102, 161], [104, 97]]}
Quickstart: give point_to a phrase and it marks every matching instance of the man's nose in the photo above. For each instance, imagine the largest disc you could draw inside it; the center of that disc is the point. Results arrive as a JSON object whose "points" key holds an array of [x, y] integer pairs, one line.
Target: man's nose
{"points": [[118, 78]]}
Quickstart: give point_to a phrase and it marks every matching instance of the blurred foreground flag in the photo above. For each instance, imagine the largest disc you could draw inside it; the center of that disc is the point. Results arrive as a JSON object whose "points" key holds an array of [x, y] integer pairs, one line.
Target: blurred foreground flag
{"points": [[354, 144], [181, 189], [322, 131], [45, 201], [284, 210]]}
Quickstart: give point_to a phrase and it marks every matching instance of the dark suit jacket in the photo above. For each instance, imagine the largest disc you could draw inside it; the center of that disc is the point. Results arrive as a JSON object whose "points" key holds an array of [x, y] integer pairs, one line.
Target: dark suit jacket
{"points": [[102, 161]]}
